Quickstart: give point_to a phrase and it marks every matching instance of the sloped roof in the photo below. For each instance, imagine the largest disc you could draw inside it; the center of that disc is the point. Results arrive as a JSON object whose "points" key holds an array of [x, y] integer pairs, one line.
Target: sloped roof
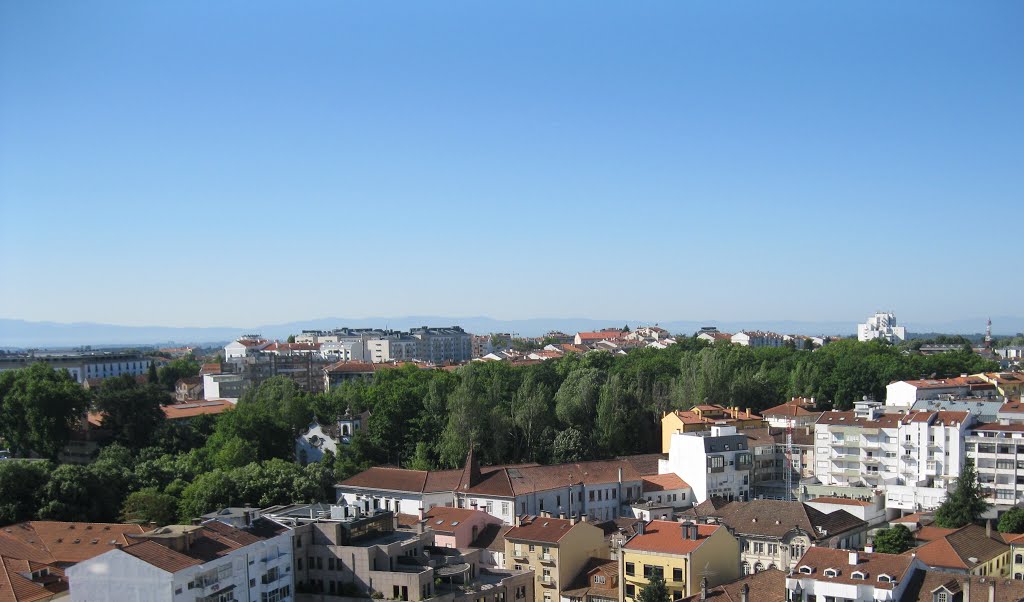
{"points": [[68, 542], [492, 537], [775, 518], [924, 583], [391, 479], [160, 556], [16, 588], [644, 464], [662, 482], [666, 537], [582, 585], [178, 411], [445, 518], [965, 548], [542, 529], [872, 563], [765, 586]]}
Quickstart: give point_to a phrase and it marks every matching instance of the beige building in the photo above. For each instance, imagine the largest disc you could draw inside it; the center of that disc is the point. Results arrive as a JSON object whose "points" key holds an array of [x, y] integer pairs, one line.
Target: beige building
{"points": [[555, 549], [683, 554]]}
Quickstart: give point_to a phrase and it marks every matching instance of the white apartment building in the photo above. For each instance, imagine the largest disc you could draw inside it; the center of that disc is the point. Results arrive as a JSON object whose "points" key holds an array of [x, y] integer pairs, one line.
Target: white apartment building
{"points": [[82, 365], [998, 454], [913, 456], [756, 338], [245, 346], [212, 562], [716, 462], [882, 325], [393, 348]]}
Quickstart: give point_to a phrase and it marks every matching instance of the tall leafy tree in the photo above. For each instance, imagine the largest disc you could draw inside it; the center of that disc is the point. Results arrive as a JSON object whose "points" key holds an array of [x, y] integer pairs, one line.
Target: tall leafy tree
{"points": [[965, 504], [132, 412], [21, 483], [39, 407]]}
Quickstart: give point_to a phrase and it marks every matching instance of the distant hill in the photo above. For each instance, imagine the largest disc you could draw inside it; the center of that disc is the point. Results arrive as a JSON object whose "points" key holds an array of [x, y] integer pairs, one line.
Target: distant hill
{"points": [[21, 333]]}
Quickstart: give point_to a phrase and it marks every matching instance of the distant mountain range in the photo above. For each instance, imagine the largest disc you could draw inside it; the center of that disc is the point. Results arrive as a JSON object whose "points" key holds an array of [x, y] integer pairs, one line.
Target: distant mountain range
{"points": [[25, 334]]}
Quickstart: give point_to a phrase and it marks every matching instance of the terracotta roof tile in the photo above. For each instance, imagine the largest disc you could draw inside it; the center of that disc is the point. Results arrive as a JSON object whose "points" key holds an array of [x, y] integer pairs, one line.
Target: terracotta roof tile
{"points": [[539, 528], [873, 564], [663, 482], [666, 537], [765, 586], [70, 542], [160, 556], [178, 411], [963, 549]]}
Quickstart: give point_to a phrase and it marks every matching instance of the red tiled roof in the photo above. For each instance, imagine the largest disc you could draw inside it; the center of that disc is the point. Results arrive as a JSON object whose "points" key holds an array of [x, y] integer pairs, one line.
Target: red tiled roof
{"points": [[663, 482], [539, 528], [839, 500], [873, 564], [179, 411], [391, 479], [160, 556], [70, 542], [445, 519], [14, 587], [666, 537]]}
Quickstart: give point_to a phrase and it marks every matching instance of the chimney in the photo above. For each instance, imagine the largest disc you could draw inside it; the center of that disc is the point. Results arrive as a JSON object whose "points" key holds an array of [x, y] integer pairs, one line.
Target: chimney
{"points": [[869, 547], [854, 558], [745, 593], [967, 589], [641, 527], [749, 413], [992, 591], [988, 528], [704, 588]]}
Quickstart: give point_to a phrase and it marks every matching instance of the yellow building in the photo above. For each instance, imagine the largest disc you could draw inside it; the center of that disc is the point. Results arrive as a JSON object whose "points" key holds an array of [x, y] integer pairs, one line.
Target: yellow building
{"points": [[700, 418], [556, 549], [1016, 555], [1009, 384], [682, 554]]}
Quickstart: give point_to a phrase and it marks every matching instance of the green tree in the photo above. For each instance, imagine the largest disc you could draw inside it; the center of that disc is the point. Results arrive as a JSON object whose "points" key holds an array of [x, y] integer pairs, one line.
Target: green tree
{"points": [[291, 338], [569, 446], [896, 540], [132, 412], [576, 399], [182, 367], [208, 492], [1012, 521], [965, 504], [153, 378], [21, 483], [150, 506], [654, 591], [39, 407]]}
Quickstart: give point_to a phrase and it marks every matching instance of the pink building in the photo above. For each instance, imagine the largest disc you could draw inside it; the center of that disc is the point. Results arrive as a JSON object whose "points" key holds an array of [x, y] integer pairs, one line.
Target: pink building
{"points": [[457, 527]]}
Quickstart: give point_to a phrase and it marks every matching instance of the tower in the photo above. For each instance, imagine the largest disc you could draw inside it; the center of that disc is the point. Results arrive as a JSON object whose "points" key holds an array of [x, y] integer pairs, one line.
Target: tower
{"points": [[988, 334]]}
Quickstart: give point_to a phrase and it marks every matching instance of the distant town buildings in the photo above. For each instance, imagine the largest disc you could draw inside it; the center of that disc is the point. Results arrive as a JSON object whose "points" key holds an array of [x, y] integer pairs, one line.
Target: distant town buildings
{"points": [[883, 326], [82, 365]]}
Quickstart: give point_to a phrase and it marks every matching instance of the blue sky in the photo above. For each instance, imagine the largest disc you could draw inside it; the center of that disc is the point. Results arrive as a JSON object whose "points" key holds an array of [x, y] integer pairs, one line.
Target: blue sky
{"points": [[231, 163]]}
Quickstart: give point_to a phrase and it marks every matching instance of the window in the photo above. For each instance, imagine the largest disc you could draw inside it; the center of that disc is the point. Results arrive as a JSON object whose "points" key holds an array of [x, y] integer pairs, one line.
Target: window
{"points": [[677, 574], [831, 572], [599, 579], [941, 597], [504, 508], [490, 507], [630, 569], [806, 570], [651, 570], [630, 590], [883, 578], [532, 547], [858, 575]]}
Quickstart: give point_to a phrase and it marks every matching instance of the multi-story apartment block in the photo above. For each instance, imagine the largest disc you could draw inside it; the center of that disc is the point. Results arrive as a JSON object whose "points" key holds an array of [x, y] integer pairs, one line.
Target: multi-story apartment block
{"points": [[395, 347], [685, 555], [443, 345], [883, 326], [828, 574], [555, 549], [997, 451], [756, 338], [795, 413], [716, 462], [211, 562], [914, 454], [775, 534], [82, 365]]}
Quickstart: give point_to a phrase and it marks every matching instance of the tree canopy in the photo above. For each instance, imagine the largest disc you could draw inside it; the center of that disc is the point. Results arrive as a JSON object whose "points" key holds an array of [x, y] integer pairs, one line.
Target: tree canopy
{"points": [[965, 504], [39, 407], [895, 540]]}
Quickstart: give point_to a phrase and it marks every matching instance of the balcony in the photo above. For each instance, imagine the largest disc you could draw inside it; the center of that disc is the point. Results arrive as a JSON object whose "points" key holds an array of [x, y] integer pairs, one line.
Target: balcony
{"points": [[908, 444], [547, 558], [548, 581], [871, 460]]}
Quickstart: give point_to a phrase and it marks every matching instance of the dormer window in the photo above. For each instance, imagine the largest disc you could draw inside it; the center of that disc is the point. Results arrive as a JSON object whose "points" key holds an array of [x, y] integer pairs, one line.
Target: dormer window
{"points": [[806, 570], [883, 578], [831, 572], [859, 575]]}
